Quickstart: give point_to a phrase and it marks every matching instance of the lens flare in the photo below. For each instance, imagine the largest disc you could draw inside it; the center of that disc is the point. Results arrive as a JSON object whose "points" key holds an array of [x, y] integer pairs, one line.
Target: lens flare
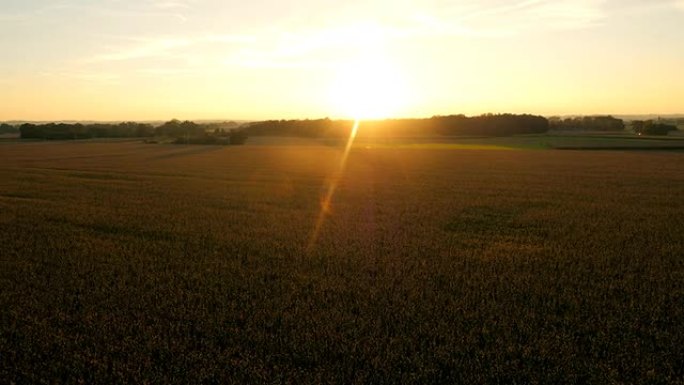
{"points": [[326, 201]]}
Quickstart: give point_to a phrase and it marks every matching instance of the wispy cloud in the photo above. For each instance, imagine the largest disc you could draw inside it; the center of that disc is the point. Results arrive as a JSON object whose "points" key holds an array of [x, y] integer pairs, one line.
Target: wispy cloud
{"points": [[164, 47], [85, 76], [312, 47], [321, 37], [497, 18], [679, 4], [145, 48], [9, 17], [30, 13], [565, 14], [176, 8], [40, 12], [170, 4], [163, 56], [358, 30], [164, 71]]}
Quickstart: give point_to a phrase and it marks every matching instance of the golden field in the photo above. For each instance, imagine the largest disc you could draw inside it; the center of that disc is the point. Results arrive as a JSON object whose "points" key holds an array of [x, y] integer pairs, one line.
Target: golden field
{"points": [[125, 262]]}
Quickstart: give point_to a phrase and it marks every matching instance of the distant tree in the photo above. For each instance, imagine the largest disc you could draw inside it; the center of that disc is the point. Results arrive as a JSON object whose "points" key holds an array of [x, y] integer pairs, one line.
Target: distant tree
{"points": [[8, 129], [588, 123], [638, 126], [125, 129], [79, 131], [488, 124], [192, 129], [143, 130], [29, 131], [237, 137], [64, 131], [170, 128], [649, 127]]}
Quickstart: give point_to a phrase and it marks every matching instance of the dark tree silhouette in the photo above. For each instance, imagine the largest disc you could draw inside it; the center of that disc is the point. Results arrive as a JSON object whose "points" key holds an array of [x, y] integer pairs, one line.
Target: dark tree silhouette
{"points": [[63, 131], [8, 129], [649, 127], [486, 125], [588, 123]]}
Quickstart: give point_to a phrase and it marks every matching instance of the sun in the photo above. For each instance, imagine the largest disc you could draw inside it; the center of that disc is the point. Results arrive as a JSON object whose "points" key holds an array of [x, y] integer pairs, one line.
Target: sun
{"points": [[368, 88]]}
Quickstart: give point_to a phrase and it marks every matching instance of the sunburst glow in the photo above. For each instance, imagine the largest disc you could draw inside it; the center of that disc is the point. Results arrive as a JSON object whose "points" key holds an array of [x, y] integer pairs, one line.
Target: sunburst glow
{"points": [[334, 181], [369, 88]]}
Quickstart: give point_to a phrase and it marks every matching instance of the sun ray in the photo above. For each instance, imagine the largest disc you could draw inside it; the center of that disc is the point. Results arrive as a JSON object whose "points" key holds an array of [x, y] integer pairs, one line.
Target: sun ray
{"points": [[332, 186]]}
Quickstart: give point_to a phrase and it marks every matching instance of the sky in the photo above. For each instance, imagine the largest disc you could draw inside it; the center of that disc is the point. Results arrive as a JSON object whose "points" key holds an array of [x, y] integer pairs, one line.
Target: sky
{"points": [[287, 59]]}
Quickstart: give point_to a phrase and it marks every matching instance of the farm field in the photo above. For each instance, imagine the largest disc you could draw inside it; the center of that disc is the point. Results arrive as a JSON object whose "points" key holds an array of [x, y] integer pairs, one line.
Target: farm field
{"points": [[125, 262], [553, 140]]}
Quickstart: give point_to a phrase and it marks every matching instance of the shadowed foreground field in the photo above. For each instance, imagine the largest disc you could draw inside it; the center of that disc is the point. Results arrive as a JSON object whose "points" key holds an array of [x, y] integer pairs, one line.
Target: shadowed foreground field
{"points": [[122, 262]]}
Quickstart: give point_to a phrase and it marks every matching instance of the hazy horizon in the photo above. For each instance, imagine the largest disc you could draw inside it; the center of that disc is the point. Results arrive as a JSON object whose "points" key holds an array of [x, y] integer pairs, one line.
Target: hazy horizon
{"points": [[207, 59], [626, 117]]}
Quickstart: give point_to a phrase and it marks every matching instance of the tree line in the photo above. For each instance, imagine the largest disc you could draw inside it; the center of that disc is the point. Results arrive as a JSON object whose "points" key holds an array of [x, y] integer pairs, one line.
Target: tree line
{"points": [[191, 132], [483, 125], [234, 133], [62, 131], [588, 123], [8, 129], [185, 131], [650, 127], [188, 132]]}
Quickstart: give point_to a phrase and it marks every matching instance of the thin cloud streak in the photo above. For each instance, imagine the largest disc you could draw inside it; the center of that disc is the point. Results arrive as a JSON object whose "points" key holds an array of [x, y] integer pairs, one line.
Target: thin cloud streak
{"points": [[460, 20], [31, 15], [169, 71], [505, 19], [170, 5], [288, 45], [164, 47], [151, 48], [100, 78]]}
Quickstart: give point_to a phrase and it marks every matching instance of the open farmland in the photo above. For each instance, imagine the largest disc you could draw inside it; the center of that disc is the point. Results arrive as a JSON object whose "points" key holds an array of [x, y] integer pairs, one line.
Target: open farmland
{"points": [[122, 262]]}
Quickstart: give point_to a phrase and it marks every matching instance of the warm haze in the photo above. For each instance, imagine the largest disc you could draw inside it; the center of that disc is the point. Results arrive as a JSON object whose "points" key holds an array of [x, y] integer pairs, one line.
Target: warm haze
{"points": [[193, 59]]}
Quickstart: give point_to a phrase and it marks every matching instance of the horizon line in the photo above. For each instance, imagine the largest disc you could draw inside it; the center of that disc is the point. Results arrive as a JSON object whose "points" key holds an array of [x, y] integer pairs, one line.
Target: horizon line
{"points": [[7, 121]]}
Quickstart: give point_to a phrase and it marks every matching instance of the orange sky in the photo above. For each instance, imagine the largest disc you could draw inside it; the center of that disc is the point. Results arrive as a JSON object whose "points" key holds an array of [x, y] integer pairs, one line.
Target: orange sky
{"points": [[211, 59]]}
